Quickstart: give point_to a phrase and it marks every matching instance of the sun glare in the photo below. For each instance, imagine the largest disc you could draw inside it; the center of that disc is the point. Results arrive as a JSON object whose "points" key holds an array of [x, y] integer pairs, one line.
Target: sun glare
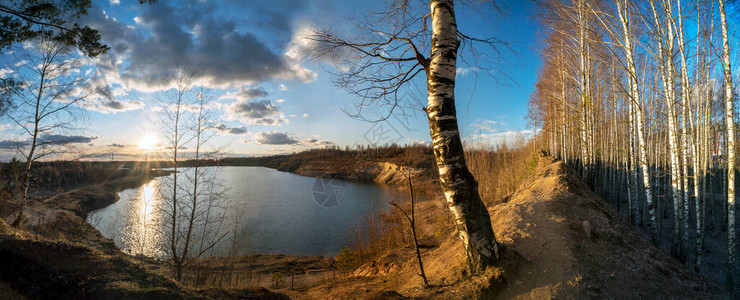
{"points": [[148, 142]]}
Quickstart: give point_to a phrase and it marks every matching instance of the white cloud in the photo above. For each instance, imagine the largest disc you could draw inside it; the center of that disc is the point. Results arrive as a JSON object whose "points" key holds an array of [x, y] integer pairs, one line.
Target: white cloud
{"points": [[280, 101], [112, 106], [511, 138], [4, 72], [488, 126], [462, 71], [301, 46]]}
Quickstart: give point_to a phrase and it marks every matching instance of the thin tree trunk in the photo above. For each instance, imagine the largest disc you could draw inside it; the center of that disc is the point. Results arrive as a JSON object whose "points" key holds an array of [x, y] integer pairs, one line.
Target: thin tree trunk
{"points": [[173, 238], [413, 231], [585, 92], [729, 115], [635, 98], [29, 158], [666, 73], [685, 125], [565, 99]]}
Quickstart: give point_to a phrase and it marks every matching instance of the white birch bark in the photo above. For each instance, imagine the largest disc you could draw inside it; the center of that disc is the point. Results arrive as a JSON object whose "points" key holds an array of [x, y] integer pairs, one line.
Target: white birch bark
{"points": [[685, 124], [730, 122], [635, 98], [698, 149], [471, 216], [666, 74], [584, 88], [565, 99]]}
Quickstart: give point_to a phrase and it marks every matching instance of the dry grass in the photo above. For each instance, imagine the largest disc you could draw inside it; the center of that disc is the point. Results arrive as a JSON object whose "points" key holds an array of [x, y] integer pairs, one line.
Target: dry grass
{"points": [[500, 169]]}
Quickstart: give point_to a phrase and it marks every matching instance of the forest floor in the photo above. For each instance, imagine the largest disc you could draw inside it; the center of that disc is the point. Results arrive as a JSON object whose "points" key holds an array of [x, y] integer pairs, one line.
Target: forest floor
{"points": [[714, 251], [548, 252]]}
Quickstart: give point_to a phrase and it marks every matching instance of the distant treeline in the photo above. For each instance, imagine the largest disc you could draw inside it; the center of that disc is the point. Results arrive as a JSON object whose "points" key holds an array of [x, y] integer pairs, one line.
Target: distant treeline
{"points": [[69, 173], [500, 170]]}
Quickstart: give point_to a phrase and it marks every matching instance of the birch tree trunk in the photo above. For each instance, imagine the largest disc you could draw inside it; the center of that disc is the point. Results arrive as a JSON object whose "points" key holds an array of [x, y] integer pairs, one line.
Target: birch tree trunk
{"points": [[29, 159], [685, 123], [624, 18], [729, 115], [666, 74], [471, 216], [585, 93], [632, 170], [565, 99], [698, 149]]}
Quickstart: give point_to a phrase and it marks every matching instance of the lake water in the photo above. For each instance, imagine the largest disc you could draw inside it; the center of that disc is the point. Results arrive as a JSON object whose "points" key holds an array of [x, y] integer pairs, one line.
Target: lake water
{"points": [[268, 212]]}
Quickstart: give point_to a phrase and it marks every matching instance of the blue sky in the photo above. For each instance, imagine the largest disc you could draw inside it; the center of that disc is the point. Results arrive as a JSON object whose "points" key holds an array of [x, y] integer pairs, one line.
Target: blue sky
{"points": [[272, 101]]}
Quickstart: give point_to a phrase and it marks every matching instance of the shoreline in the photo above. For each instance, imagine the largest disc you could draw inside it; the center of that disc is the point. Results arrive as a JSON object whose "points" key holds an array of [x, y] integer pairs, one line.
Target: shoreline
{"points": [[65, 219], [70, 209]]}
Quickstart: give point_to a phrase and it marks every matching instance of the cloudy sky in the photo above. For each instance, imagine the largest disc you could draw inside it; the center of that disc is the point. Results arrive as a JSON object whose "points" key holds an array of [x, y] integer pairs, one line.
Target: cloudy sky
{"points": [[268, 97]]}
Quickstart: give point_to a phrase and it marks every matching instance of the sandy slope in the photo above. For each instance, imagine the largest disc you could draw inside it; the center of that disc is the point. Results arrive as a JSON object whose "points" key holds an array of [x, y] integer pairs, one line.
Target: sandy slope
{"points": [[544, 222], [547, 255]]}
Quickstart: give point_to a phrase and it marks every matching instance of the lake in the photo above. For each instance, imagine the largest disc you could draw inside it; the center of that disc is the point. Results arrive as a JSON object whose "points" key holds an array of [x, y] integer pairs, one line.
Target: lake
{"points": [[259, 211]]}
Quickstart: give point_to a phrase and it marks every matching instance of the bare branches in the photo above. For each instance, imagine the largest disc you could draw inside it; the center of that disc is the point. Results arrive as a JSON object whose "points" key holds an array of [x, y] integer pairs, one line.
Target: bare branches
{"points": [[388, 49], [407, 172], [374, 71]]}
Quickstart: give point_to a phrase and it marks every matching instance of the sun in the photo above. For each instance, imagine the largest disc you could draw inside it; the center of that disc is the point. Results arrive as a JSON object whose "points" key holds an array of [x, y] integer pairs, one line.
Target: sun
{"points": [[148, 142]]}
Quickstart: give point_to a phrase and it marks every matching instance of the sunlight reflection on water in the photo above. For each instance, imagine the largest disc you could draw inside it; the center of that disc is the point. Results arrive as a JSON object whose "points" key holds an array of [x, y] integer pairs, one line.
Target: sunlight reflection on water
{"points": [[272, 211], [140, 234]]}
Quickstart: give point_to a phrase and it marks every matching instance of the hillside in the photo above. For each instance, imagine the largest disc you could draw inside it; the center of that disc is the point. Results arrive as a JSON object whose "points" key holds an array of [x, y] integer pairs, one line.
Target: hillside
{"points": [[379, 165], [544, 222], [547, 254]]}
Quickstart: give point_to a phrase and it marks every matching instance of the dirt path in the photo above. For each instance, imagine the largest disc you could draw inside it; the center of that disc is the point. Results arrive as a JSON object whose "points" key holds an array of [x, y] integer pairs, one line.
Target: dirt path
{"points": [[578, 247], [530, 225]]}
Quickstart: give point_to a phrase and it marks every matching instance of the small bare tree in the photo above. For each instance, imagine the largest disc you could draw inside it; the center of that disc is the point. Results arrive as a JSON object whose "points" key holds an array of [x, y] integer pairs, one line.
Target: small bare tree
{"points": [[171, 115], [45, 106], [411, 217], [205, 216], [192, 208]]}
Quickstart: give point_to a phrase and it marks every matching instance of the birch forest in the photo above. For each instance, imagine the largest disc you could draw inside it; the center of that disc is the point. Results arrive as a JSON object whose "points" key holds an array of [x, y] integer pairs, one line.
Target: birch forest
{"points": [[639, 96]]}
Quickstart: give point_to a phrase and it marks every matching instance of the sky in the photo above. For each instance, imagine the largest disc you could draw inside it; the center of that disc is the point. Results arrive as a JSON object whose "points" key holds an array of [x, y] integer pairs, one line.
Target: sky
{"points": [[268, 96]]}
